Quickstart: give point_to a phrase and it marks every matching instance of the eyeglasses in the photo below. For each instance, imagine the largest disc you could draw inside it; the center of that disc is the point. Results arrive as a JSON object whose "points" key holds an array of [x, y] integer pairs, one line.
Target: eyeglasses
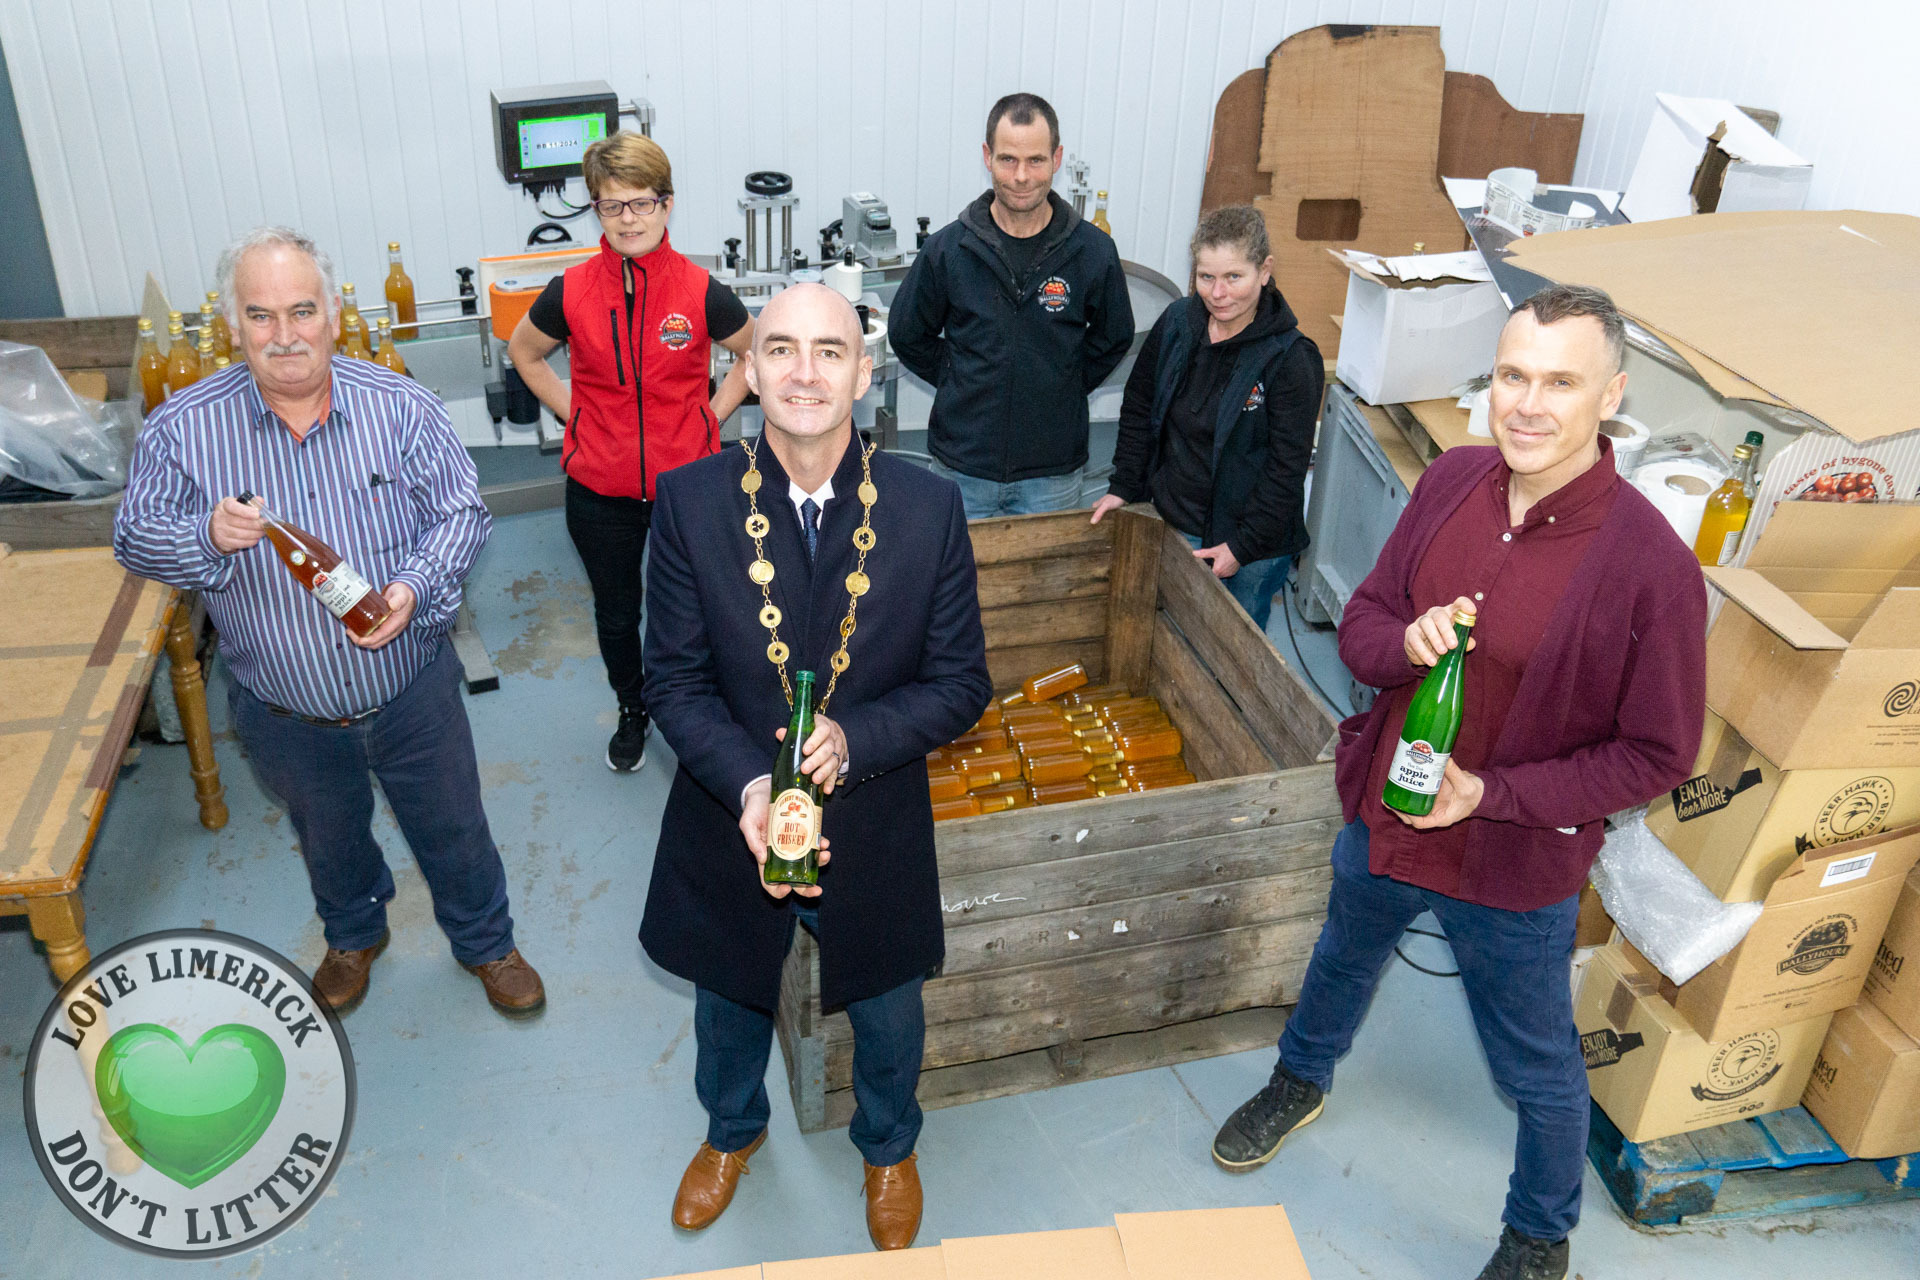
{"points": [[642, 206]]}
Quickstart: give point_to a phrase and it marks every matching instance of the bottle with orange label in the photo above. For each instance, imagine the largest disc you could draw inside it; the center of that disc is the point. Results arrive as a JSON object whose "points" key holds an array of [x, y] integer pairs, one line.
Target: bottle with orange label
{"points": [[793, 816]]}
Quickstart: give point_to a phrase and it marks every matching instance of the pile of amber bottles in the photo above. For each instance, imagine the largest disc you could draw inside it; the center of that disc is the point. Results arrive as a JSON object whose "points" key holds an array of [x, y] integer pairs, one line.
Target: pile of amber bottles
{"points": [[1057, 739], [210, 349]]}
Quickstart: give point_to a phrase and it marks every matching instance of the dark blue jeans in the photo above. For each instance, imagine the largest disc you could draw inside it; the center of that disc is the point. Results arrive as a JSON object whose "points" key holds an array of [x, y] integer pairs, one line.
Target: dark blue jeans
{"points": [[889, 1035], [1515, 966], [421, 748], [1254, 585]]}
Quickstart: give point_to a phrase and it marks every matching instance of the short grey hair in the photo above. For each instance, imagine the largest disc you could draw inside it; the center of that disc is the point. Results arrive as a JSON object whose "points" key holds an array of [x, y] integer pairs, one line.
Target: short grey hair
{"points": [[265, 238], [1561, 301]]}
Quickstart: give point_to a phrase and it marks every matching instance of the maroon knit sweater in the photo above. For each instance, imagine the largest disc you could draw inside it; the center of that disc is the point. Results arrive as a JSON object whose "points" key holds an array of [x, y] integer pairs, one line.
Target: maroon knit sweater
{"points": [[1607, 715]]}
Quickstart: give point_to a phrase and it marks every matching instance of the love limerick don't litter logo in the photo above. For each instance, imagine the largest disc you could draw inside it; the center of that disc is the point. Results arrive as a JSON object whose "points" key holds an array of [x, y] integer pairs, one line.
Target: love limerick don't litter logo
{"points": [[187, 1094]]}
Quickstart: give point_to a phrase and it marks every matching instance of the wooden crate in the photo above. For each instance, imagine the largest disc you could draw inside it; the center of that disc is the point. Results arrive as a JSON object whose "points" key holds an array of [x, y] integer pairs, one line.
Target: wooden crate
{"points": [[1115, 934]]}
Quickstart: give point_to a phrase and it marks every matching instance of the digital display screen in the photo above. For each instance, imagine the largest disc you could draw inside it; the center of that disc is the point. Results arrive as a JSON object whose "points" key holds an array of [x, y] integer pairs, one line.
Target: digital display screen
{"points": [[553, 141]]}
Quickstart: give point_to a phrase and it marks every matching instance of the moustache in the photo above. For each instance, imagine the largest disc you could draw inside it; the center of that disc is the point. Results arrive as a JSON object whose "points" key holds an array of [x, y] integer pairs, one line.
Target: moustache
{"points": [[288, 348]]}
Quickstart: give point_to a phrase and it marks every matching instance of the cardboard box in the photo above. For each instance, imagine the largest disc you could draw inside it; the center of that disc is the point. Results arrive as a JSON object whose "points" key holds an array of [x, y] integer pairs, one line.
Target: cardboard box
{"points": [[1816, 937], [1404, 340], [1594, 926], [1655, 1076], [1738, 822], [1816, 657], [1705, 155], [1893, 983], [1866, 1085], [1252, 1243], [1822, 466]]}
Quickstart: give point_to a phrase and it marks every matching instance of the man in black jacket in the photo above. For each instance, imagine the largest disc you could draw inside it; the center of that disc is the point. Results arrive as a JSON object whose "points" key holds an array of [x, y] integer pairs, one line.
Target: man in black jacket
{"points": [[778, 536], [1014, 312]]}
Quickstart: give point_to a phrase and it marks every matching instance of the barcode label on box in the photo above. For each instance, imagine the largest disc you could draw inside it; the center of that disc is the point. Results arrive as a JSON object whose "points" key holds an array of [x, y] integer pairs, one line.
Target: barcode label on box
{"points": [[1847, 869]]}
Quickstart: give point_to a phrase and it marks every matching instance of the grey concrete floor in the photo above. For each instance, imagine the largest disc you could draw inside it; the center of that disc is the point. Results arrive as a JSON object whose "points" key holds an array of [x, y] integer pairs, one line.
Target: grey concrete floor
{"points": [[488, 1148]]}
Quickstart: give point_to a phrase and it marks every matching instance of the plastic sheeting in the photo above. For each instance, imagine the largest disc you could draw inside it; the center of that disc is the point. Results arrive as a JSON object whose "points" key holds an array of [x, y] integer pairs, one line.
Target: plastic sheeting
{"points": [[1660, 905], [55, 439]]}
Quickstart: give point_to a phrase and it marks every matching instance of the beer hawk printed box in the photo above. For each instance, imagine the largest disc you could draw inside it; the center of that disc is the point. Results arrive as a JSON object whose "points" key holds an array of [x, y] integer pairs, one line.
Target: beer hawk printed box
{"points": [[1865, 1088], [1738, 822], [1815, 940], [1655, 1076], [1893, 983]]}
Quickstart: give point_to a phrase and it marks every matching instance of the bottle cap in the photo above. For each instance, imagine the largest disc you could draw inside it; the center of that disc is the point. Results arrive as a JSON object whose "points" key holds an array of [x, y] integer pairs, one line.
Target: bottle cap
{"points": [[173, 315], [393, 246], [346, 290], [1100, 195], [146, 325], [1743, 451], [1462, 618]]}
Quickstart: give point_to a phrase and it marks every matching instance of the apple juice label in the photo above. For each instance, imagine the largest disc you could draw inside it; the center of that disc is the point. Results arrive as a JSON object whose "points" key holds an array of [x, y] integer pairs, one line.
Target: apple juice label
{"points": [[1418, 767], [340, 588]]}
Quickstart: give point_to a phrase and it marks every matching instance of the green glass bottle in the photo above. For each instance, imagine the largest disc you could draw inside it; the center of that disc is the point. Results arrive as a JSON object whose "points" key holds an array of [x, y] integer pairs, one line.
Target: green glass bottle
{"points": [[1427, 737], [793, 820]]}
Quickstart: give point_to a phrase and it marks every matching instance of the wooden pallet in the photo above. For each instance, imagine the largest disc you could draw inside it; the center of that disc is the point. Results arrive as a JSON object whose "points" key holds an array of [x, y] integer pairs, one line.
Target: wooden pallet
{"points": [[1783, 1162]]}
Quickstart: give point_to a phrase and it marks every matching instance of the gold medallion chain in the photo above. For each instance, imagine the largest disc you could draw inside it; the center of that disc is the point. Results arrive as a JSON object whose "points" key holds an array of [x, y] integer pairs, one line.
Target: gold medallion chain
{"points": [[761, 570]]}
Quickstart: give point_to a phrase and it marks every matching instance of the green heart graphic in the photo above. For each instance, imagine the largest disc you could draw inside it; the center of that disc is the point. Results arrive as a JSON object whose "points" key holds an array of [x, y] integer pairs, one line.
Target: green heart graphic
{"points": [[190, 1112]]}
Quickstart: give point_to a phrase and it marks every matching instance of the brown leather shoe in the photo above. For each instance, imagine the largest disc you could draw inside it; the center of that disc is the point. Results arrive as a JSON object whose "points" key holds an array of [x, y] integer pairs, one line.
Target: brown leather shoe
{"points": [[893, 1204], [341, 978], [706, 1188], [513, 988]]}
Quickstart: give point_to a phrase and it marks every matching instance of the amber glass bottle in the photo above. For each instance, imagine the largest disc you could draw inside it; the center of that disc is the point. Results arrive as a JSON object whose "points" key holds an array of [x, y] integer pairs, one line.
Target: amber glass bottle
{"points": [[319, 568], [153, 369], [400, 303]]}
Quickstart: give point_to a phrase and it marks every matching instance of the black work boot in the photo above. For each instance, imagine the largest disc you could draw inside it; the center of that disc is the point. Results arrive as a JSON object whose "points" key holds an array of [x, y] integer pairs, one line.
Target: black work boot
{"points": [[1524, 1258], [627, 749], [1252, 1135]]}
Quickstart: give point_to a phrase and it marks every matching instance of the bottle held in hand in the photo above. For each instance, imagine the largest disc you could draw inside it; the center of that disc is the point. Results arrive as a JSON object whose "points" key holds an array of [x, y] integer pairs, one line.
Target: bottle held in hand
{"points": [[793, 817], [319, 568], [1432, 725]]}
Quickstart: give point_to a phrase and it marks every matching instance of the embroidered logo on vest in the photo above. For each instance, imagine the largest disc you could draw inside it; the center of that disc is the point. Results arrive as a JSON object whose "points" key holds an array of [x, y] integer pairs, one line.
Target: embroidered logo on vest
{"points": [[1255, 398], [1053, 294], [676, 331]]}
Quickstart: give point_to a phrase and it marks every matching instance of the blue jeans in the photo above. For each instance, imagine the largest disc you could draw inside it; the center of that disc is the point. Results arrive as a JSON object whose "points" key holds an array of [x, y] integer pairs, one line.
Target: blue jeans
{"points": [[734, 1041], [1037, 496], [1515, 966], [1254, 585], [421, 748]]}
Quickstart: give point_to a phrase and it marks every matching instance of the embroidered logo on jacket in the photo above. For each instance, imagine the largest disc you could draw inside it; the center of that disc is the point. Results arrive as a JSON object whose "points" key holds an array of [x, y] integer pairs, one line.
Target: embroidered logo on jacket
{"points": [[676, 331], [1255, 398], [1053, 294]]}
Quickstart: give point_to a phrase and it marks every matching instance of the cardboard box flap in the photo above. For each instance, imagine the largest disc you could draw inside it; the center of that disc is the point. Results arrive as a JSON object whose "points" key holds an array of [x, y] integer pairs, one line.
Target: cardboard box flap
{"points": [[927, 1263], [1895, 624], [1252, 1243], [1091, 1253], [1715, 282], [1857, 864], [1779, 612]]}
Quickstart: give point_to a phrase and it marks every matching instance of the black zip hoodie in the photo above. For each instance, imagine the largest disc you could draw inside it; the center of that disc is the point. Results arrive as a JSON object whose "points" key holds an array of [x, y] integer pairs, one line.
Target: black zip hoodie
{"points": [[1012, 360]]}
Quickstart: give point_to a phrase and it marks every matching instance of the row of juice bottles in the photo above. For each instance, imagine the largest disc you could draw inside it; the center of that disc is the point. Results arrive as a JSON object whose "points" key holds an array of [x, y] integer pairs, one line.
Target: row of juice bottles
{"points": [[1057, 739], [186, 361]]}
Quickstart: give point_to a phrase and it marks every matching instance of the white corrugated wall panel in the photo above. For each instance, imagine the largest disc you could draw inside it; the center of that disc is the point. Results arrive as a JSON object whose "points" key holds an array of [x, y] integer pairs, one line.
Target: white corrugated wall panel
{"points": [[157, 129], [1840, 75]]}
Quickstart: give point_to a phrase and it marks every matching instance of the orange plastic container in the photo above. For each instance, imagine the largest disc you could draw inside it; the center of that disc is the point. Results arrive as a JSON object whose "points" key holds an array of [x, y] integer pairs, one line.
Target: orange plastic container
{"points": [[1014, 791], [990, 768], [1062, 792], [1051, 684], [964, 807], [946, 784]]}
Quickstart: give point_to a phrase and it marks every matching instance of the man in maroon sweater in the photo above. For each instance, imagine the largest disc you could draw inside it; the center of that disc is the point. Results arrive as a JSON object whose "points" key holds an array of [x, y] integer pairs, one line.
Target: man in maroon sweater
{"points": [[1584, 696]]}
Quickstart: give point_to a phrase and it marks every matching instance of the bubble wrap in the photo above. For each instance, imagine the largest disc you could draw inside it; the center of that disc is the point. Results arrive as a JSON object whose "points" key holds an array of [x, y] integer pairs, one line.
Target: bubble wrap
{"points": [[1661, 906]]}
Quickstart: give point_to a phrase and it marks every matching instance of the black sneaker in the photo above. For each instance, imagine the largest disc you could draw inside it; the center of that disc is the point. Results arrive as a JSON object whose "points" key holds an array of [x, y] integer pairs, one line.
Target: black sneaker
{"points": [[627, 749], [1524, 1258], [1252, 1135]]}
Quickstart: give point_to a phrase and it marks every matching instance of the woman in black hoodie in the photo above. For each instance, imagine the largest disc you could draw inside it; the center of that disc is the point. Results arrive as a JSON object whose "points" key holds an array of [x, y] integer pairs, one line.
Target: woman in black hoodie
{"points": [[1216, 428]]}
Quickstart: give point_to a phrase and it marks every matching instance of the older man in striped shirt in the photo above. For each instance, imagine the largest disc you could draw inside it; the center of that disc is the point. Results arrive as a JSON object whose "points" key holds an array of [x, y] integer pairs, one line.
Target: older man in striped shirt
{"points": [[367, 461]]}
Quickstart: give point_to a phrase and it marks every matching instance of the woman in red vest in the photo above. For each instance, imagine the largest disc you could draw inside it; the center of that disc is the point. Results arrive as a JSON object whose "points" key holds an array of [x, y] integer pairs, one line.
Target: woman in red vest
{"points": [[638, 320]]}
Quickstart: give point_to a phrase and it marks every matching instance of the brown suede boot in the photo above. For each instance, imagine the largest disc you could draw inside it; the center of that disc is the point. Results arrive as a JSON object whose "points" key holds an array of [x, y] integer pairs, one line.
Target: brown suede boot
{"points": [[342, 976], [893, 1204], [513, 987], [706, 1188]]}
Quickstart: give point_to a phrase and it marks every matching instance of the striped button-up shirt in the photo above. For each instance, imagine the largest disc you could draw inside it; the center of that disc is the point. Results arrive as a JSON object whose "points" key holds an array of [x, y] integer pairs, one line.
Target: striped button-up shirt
{"points": [[383, 481]]}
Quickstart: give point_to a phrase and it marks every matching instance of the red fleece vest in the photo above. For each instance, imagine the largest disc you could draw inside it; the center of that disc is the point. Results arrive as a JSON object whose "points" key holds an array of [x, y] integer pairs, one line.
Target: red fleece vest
{"points": [[637, 343]]}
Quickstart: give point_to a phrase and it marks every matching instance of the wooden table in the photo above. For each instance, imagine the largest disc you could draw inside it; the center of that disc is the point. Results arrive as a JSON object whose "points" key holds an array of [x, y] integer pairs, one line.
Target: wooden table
{"points": [[79, 639]]}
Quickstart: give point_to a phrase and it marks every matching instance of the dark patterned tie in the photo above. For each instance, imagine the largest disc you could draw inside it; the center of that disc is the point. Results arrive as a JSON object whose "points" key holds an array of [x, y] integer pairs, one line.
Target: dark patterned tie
{"points": [[810, 518]]}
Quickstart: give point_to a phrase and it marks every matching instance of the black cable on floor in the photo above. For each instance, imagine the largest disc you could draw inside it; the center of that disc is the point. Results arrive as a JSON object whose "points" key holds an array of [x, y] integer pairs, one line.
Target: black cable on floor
{"points": [[1433, 973], [1286, 612]]}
